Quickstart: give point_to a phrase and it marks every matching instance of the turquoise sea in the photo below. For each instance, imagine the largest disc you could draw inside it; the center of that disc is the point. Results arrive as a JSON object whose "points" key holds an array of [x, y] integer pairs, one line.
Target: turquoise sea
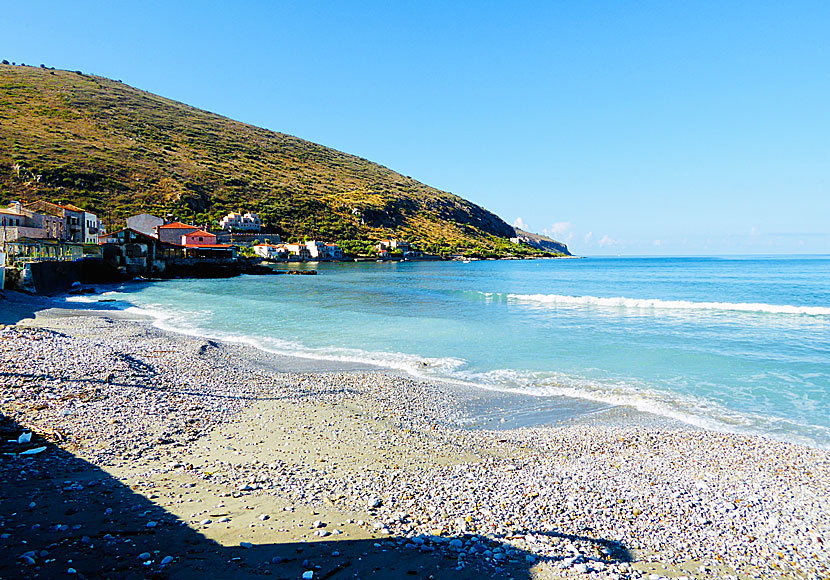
{"points": [[739, 344]]}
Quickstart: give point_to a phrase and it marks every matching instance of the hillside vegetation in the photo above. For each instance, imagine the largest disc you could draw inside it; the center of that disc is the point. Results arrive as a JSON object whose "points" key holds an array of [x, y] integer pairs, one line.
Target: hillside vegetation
{"points": [[117, 150]]}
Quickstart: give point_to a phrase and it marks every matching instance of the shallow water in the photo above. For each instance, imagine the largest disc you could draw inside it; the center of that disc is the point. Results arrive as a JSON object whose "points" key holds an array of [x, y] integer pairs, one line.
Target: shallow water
{"points": [[735, 344]]}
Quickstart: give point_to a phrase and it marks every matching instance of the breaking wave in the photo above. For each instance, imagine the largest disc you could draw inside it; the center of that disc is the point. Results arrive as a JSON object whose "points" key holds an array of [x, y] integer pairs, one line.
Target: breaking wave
{"points": [[418, 366], [657, 304], [683, 407], [686, 408]]}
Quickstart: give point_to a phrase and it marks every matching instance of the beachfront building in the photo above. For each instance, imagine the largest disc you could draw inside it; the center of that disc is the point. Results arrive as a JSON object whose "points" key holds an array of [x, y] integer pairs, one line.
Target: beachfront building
{"points": [[298, 252], [92, 228], [131, 252], [77, 225], [145, 223], [276, 252], [334, 251], [201, 244], [393, 245], [317, 250], [237, 222], [18, 222], [43, 250], [324, 250], [199, 237], [172, 233], [215, 252]]}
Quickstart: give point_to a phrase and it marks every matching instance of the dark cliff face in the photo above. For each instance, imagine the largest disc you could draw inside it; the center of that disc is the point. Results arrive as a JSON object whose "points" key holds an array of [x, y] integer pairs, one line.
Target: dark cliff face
{"points": [[543, 242], [117, 150]]}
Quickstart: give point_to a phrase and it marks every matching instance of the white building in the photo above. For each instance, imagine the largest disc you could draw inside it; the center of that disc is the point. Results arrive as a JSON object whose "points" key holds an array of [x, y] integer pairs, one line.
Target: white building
{"points": [[317, 250], [393, 245], [335, 253], [271, 251], [298, 252], [324, 250], [248, 222], [92, 228]]}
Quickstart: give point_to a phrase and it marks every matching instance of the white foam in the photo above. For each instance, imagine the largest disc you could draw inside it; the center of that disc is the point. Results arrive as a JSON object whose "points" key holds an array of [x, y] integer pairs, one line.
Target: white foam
{"points": [[688, 409], [657, 304], [422, 367], [81, 299]]}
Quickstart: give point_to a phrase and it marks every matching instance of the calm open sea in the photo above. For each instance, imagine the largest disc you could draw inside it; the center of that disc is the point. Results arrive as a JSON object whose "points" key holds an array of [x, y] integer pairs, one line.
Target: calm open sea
{"points": [[729, 343]]}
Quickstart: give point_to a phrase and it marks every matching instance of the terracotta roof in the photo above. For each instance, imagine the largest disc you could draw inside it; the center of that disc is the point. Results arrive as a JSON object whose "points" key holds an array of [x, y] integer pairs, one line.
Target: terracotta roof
{"points": [[218, 246], [70, 207], [178, 226], [200, 233]]}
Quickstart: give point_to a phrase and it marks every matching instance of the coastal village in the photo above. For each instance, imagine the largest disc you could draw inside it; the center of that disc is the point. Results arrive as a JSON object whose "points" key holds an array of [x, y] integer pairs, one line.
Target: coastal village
{"points": [[46, 247]]}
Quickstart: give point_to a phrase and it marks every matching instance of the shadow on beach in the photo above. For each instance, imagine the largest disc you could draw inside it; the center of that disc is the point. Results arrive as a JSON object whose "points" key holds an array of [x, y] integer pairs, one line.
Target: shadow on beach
{"points": [[15, 306], [60, 513]]}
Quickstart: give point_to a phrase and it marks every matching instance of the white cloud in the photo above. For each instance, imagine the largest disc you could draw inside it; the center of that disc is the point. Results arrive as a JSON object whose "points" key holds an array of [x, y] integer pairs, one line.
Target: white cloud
{"points": [[520, 223], [588, 238], [561, 231], [658, 243], [607, 241]]}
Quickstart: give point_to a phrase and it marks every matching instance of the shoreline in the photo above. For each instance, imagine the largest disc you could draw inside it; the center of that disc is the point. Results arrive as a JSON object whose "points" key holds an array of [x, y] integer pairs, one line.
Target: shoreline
{"points": [[486, 407], [183, 425]]}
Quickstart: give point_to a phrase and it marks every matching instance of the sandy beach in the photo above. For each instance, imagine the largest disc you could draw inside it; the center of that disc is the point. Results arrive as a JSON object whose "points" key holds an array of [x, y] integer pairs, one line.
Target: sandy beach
{"points": [[168, 456]]}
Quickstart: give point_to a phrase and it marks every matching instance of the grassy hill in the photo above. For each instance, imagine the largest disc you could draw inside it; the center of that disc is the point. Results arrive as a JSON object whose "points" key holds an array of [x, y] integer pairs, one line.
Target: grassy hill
{"points": [[117, 150]]}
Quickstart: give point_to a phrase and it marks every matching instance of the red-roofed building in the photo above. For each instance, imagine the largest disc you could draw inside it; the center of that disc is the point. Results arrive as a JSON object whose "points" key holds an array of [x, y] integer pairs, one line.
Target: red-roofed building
{"points": [[198, 238], [77, 225], [172, 233], [132, 253], [210, 251]]}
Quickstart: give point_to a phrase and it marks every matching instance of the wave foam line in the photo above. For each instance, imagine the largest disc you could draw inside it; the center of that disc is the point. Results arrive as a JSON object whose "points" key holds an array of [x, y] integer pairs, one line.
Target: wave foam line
{"points": [[417, 366], [657, 304], [685, 408]]}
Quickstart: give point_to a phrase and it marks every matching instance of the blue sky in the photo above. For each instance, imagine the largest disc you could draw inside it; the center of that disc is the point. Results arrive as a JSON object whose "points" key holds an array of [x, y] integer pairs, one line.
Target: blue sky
{"points": [[618, 127]]}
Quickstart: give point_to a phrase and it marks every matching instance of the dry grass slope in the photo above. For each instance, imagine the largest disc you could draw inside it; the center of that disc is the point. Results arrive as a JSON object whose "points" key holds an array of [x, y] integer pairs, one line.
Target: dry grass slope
{"points": [[117, 150]]}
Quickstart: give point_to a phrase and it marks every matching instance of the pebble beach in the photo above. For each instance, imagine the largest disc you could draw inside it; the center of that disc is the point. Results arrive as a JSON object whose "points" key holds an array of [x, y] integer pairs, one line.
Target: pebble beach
{"points": [[167, 456]]}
